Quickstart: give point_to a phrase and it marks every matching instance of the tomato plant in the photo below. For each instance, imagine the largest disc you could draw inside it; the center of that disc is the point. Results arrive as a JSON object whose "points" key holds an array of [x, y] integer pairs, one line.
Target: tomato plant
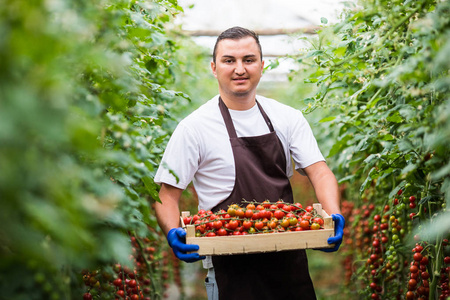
{"points": [[85, 113], [381, 79]]}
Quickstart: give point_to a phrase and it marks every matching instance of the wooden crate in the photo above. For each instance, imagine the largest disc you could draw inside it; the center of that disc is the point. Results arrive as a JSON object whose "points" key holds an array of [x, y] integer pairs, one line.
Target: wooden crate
{"points": [[265, 242]]}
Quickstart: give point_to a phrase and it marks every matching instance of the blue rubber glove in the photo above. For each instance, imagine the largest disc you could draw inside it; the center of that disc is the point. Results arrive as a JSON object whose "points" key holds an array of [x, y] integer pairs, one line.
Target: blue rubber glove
{"points": [[339, 223], [177, 240]]}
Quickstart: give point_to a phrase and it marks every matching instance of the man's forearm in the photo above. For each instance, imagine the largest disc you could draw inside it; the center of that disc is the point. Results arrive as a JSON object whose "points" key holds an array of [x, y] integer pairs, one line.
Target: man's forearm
{"points": [[168, 212], [325, 186], [168, 217], [327, 193]]}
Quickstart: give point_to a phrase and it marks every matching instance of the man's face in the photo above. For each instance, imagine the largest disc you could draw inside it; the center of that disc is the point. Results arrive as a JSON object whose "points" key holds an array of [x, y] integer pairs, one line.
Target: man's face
{"points": [[238, 67]]}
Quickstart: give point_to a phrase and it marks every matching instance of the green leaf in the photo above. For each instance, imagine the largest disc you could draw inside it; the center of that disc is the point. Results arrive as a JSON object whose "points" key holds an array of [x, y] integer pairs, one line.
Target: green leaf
{"points": [[327, 119], [338, 146], [346, 178], [314, 53], [395, 118], [388, 137], [368, 180], [337, 84]]}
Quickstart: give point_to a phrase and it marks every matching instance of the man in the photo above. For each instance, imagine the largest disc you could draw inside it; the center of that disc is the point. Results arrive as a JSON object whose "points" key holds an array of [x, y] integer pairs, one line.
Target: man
{"points": [[239, 146]]}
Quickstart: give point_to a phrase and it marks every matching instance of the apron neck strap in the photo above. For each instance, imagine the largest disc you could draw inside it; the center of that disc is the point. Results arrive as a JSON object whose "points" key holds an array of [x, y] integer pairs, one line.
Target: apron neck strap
{"points": [[229, 122]]}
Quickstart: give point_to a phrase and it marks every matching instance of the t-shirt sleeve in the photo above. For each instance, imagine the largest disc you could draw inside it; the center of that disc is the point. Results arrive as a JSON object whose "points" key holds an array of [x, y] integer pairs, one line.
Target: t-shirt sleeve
{"points": [[303, 144], [180, 159]]}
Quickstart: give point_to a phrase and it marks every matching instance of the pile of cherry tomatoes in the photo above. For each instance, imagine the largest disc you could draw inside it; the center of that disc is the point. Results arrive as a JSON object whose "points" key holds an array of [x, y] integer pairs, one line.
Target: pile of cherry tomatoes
{"points": [[255, 218]]}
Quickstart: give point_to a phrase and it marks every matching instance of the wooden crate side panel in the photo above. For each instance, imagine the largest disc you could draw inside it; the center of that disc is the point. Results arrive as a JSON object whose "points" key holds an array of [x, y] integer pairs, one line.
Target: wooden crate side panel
{"points": [[262, 242]]}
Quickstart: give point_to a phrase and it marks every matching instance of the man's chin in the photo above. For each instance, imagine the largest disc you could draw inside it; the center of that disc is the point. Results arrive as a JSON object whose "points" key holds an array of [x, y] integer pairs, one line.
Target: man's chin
{"points": [[241, 94]]}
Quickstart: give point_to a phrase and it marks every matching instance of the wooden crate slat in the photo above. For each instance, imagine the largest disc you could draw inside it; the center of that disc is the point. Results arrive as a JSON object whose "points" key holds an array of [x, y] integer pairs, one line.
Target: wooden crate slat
{"points": [[266, 242]]}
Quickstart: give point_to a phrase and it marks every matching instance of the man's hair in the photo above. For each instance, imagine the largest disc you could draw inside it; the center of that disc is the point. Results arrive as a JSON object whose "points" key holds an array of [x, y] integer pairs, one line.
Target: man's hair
{"points": [[236, 33]]}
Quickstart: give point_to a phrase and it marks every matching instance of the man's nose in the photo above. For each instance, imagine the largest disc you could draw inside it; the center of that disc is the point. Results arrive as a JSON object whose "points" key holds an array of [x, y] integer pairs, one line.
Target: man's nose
{"points": [[240, 69]]}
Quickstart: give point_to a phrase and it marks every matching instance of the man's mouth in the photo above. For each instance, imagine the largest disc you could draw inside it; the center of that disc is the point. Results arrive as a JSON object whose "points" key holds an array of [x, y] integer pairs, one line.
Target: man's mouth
{"points": [[240, 79]]}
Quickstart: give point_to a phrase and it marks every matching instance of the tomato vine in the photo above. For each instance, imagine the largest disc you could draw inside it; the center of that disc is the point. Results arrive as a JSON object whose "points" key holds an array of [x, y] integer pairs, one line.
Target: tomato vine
{"points": [[382, 78], [86, 88]]}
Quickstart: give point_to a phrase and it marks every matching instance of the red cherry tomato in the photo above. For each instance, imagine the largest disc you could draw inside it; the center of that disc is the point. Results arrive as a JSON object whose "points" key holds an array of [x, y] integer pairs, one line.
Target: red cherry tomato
{"points": [[304, 224]]}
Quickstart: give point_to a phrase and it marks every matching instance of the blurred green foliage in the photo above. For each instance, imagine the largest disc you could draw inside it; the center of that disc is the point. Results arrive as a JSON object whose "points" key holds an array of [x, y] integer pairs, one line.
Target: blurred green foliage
{"points": [[85, 93]]}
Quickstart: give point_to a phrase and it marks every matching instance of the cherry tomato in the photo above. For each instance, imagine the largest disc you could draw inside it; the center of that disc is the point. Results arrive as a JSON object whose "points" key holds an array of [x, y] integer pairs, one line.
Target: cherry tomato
{"points": [[233, 224], [217, 224], [262, 213], [417, 256], [279, 214], [412, 283], [304, 224], [296, 206], [293, 221], [120, 293], [87, 296], [272, 224], [222, 232], [231, 211], [117, 282], [315, 226], [318, 220], [247, 224], [248, 213], [201, 228], [280, 204], [286, 207], [307, 216], [284, 223], [132, 283], [413, 269], [134, 297], [259, 225], [251, 206], [240, 213]]}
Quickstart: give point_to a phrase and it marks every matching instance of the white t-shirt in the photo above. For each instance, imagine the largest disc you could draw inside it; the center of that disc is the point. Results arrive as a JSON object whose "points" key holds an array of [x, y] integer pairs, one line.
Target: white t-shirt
{"points": [[200, 151]]}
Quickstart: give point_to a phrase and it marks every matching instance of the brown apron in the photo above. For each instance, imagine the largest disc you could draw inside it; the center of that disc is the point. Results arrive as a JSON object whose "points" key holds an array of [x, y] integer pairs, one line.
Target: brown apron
{"points": [[260, 175]]}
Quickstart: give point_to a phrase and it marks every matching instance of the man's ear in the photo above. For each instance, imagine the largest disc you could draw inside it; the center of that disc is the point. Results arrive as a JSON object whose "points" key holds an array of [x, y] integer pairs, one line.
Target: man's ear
{"points": [[213, 68]]}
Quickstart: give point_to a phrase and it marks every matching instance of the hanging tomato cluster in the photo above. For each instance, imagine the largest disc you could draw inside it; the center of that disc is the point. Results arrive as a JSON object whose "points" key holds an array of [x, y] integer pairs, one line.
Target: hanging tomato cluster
{"points": [[254, 218], [375, 256], [152, 269]]}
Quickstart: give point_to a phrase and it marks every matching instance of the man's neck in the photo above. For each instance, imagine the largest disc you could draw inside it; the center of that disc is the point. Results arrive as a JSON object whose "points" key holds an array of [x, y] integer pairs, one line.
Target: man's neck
{"points": [[239, 103]]}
